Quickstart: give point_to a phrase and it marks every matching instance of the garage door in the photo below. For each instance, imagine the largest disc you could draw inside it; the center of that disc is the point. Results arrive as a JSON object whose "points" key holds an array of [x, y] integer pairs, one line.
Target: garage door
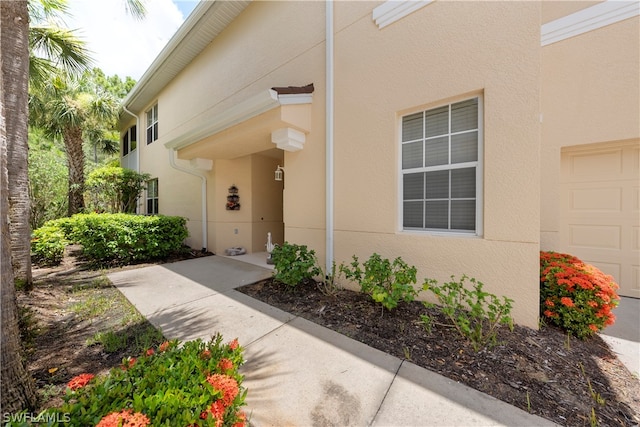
{"points": [[600, 214]]}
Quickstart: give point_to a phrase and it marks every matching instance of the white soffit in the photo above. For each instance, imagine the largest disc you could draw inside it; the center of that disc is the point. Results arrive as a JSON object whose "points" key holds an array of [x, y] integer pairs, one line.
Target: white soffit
{"points": [[391, 11], [589, 19], [240, 112], [202, 26]]}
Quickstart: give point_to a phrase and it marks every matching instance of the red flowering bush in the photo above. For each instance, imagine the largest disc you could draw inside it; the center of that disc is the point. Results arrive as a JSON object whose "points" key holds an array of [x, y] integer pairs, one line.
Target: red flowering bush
{"points": [[80, 381], [124, 418], [576, 296], [195, 383]]}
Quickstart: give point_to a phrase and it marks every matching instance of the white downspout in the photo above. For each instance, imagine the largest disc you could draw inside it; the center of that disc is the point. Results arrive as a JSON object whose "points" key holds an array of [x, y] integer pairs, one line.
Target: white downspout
{"points": [[202, 176], [329, 136], [124, 107]]}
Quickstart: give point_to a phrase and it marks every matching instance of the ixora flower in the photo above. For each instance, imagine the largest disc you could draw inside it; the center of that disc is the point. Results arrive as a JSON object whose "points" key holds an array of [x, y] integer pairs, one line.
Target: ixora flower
{"points": [[164, 346], [80, 381], [567, 302], [227, 385], [581, 295], [234, 344], [225, 364], [128, 363], [242, 419], [126, 418], [216, 410]]}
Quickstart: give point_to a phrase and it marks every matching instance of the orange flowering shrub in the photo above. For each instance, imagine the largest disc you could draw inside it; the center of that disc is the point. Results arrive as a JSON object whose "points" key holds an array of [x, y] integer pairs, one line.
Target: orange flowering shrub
{"points": [[225, 364], [195, 383], [80, 381], [124, 418], [225, 384], [576, 296]]}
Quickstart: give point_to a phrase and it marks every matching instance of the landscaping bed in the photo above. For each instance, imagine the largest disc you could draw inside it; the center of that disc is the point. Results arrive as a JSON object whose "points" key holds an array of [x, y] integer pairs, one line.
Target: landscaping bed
{"points": [[543, 372]]}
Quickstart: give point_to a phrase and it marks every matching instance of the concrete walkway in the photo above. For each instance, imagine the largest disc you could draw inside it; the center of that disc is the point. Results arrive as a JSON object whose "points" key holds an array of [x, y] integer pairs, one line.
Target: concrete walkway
{"points": [[624, 336], [298, 373]]}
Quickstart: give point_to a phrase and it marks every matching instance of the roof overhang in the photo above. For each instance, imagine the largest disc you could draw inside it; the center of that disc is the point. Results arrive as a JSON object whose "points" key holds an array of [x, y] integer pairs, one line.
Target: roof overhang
{"points": [[207, 20], [250, 126]]}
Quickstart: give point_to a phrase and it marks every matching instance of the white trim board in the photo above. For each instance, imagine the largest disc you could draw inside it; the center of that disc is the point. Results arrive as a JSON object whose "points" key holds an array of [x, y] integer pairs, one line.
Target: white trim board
{"points": [[589, 19], [393, 10]]}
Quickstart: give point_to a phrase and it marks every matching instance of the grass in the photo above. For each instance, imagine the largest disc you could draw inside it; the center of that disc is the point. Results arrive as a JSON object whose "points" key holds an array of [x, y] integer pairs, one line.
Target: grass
{"points": [[140, 337], [79, 323], [92, 306]]}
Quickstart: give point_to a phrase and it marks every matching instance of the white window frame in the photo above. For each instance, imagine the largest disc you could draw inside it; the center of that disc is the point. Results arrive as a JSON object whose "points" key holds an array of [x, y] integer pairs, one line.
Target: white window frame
{"points": [[479, 165], [152, 124], [156, 198]]}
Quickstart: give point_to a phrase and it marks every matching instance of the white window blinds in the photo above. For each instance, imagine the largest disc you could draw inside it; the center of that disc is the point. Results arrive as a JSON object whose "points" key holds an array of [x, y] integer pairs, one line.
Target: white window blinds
{"points": [[440, 152]]}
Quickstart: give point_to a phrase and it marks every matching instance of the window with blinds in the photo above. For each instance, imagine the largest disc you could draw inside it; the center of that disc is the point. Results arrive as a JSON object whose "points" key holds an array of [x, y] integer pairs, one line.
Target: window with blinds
{"points": [[440, 168]]}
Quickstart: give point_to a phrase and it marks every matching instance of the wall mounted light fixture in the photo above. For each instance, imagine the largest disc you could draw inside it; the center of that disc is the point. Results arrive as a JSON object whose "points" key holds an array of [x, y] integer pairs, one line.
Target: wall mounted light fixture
{"points": [[279, 173]]}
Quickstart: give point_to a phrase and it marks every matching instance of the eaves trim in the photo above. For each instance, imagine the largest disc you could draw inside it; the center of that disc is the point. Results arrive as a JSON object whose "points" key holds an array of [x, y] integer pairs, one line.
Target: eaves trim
{"points": [[589, 19], [245, 110], [391, 11], [207, 20]]}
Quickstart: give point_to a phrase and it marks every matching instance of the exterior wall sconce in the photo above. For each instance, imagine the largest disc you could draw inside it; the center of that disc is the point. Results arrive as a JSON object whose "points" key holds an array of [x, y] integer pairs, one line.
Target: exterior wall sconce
{"points": [[279, 173]]}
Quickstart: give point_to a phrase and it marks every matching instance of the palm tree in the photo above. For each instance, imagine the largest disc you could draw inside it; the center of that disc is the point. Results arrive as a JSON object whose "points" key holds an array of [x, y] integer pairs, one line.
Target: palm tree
{"points": [[15, 59], [17, 387], [62, 109], [17, 390], [43, 49]]}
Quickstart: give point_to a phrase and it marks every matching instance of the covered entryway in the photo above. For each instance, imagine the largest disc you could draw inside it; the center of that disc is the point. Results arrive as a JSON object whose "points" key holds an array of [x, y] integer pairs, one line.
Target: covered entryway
{"points": [[600, 212], [246, 143]]}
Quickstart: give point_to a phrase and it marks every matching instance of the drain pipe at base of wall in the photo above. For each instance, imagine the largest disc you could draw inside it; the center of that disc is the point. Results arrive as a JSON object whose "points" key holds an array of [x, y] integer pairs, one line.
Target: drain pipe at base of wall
{"points": [[329, 136], [172, 162]]}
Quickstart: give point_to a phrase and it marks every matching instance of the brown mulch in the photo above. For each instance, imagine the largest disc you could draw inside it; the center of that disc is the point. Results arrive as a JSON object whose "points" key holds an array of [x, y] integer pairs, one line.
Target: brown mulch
{"points": [[544, 372]]}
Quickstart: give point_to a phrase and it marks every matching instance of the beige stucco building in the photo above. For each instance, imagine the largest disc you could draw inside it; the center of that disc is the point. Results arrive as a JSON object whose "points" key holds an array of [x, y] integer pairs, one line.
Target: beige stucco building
{"points": [[463, 137]]}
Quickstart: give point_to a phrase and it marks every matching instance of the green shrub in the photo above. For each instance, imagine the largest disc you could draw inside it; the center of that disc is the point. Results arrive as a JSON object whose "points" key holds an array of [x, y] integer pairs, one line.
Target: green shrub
{"points": [[294, 264], [576, 296], [47, 245], [386, 282], [474, 313], [123, 238], [126, 238], [114, 189], [195, 383]]}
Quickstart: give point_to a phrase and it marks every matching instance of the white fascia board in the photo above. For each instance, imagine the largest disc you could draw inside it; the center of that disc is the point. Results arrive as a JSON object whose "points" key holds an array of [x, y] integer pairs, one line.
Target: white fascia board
{"points": [[589, 19], [295, 98], [391, 11], [242, 111], [251, 107]]}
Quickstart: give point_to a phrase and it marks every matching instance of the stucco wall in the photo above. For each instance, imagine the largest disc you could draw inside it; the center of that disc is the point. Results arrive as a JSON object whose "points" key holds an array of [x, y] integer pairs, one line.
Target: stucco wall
{"points": [[439, 54], [178, 193], [247, 58], [444, 52], [590, 94]]}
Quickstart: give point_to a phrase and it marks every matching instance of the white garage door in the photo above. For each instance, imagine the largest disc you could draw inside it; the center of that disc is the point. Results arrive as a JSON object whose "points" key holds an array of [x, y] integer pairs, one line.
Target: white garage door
{"points": [[600, 214]]}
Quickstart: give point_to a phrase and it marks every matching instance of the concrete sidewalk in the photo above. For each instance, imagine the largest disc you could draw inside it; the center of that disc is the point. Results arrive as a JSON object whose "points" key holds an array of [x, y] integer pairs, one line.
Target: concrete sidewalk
{"points": [[298, 373]]}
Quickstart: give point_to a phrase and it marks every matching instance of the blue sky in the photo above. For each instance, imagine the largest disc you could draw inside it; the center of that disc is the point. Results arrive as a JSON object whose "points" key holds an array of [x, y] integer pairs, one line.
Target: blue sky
{"points": [[185, 6], [119, 44]]}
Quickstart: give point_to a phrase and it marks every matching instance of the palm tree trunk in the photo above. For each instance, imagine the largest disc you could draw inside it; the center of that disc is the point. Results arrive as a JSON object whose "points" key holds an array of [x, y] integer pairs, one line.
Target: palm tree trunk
{"points": [[75, 157], [15, 70], [17, 390]]}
